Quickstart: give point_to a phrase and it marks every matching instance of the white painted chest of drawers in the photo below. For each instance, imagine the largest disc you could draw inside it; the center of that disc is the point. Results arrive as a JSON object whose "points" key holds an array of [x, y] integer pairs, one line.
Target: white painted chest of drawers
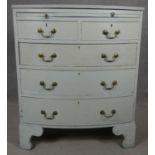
{"points": [[77, 67]]}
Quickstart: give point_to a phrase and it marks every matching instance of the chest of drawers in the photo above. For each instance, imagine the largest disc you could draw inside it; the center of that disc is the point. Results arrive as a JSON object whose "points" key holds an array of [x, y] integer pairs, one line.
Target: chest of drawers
{"points": [[77, 67]]}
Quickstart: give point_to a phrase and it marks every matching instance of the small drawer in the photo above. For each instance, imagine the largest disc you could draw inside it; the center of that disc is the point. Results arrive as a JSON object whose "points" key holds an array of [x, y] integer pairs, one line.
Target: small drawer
{"points": [[77, 113], [55, 30], [73, 84], [78, 55], [110, 31]]}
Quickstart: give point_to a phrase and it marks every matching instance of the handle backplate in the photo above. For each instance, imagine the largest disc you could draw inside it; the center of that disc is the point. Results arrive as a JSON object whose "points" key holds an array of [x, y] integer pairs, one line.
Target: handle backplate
{"points": [[49, 116], [106, 59], [51, 33], [53, 85], [52, 57], [109, 35], [113, 84], [112, 113]]}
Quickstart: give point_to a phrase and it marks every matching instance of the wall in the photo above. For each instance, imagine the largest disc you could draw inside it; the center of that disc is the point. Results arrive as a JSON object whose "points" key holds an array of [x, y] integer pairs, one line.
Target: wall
{"points": [[142, 83]]}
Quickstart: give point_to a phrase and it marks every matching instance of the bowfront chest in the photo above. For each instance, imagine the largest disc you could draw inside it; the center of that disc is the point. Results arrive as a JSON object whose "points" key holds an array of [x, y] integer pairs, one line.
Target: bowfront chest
{"points": [[77, 67]]}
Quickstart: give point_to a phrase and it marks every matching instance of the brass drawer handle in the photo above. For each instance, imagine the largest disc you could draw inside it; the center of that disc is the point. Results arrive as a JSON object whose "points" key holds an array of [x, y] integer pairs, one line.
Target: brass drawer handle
{"points": [[105, 57], [52, 56], [113, 84], [109, 36], [51, 116], [51, 33], [103, 113], [53, 85]]}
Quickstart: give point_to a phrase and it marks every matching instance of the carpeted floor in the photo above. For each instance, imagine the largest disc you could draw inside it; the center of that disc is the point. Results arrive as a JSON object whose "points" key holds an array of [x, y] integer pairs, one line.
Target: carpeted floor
{"points": [[78, 142]]}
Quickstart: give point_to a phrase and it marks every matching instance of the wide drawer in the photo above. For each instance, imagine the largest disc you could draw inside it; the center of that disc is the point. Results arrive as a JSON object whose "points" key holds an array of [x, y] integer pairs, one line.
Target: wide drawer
{"points": [[46, 83], [38, 14], [73, 112], [55, 30], [110, 30], [77, 55]]}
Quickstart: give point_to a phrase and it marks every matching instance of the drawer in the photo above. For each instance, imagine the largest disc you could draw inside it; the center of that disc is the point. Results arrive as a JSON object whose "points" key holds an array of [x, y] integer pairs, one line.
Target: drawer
{"points": [[105, 111], [77, 55], [72, 84], [86, 112], [110, 30], [63, 13], [49, 112], [55, 30], [108, 55]]}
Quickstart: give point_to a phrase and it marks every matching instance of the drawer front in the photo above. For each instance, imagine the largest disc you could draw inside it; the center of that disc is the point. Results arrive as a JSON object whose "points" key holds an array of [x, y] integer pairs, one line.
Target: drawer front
{"points": [[49, 15], [107, 111], [68, 112], [110, 30], [77, 55], [50, 84], [55, 30], [48, 112], [108, 55]]}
